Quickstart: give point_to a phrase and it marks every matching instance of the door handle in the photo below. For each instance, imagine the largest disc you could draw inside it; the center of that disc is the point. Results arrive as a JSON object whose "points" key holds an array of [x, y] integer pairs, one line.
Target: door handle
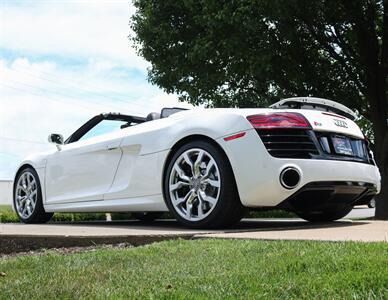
{"points": [[110, 148], [113, 145]]}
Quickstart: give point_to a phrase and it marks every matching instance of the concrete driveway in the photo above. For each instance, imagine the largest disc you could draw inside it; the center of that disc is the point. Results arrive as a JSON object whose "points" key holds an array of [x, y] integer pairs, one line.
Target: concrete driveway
{"points": [[20, 237]]}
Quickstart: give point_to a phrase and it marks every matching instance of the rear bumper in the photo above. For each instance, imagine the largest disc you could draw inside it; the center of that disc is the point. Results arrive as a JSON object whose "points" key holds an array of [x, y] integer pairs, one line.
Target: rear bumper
{"points": [[257, 172], [326, 195]]}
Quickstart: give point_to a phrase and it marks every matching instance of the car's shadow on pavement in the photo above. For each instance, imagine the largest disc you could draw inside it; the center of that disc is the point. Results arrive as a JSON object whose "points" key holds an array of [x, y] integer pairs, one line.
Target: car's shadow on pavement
{"points": [[244, 225]]}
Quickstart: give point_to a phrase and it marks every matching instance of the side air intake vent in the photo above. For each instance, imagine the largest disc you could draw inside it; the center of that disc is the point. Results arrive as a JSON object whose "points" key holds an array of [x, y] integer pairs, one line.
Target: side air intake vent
{"points": [[288, 143]]}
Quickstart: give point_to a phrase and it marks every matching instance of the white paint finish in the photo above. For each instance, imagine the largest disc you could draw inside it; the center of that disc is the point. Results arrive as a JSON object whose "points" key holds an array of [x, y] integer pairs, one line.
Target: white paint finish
{"points": [[6, 192], [82, 171], [147, 203], [361, 212], [323, 104], [138, 176], [87, 176], [257, 172], [327, 123]]}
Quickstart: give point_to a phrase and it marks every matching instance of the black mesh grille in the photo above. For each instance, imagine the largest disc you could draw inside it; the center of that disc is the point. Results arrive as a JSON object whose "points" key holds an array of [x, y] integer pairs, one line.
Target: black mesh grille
{"points": [[288, 143]]}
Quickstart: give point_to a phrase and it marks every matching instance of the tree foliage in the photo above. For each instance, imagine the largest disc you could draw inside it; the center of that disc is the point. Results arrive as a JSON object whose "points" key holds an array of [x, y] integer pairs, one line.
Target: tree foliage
{"points": [[248, 53]]}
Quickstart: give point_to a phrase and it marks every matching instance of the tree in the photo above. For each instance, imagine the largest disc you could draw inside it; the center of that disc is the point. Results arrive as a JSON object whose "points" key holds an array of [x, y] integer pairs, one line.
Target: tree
{"points": [[246, 53]]}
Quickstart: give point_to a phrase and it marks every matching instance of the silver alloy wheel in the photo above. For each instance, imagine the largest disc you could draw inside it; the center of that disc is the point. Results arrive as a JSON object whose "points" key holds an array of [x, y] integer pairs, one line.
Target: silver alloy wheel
{"points": [[26, 195], [194, 184]]}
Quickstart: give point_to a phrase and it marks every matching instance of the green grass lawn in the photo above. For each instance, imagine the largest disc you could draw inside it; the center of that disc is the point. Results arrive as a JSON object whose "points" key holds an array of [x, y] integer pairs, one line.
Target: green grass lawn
{"points": [[205, 269]]}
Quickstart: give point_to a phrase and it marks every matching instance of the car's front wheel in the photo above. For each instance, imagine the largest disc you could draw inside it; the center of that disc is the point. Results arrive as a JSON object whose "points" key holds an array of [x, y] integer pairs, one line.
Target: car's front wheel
{"points": [[200, 189], [28, 201]]}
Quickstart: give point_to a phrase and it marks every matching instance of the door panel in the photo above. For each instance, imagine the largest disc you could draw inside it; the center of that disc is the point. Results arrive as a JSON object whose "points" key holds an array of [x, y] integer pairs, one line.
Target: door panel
{"points": [[82, 171], [138, 175]]}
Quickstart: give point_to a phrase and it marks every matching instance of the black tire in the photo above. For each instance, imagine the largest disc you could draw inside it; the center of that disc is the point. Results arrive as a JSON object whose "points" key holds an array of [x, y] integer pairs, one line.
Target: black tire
{"points": [[325, 216], [38, 215], [147, 216], [228, 210], [372, 203]]}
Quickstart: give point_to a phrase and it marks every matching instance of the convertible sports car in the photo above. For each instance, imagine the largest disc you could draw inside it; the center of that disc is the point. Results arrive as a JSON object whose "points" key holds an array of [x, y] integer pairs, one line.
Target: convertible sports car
{"points": [[205, 166]]}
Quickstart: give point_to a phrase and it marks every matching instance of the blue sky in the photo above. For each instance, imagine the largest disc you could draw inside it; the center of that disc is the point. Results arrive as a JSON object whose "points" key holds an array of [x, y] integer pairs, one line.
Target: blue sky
{"points": [[61, 62]]}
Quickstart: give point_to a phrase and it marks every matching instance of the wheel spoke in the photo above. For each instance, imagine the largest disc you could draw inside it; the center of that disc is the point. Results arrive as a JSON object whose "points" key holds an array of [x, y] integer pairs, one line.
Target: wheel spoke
{"points": [[207, 198], [29, 209], [189, 162], [215, 183], [24, 182], [178, 185], [21, 199], [188, 196], [197, 163], [189, 208], [200, 207], [209, 166], [181, 173]]}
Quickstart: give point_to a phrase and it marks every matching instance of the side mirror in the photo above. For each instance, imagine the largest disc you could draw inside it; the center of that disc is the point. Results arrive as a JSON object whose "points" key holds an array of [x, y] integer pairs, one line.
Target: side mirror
{"points": [[56, 139]]}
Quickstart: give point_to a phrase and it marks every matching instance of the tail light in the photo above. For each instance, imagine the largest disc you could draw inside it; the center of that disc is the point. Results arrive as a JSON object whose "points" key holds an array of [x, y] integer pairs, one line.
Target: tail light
{"points": [[279, 120]]}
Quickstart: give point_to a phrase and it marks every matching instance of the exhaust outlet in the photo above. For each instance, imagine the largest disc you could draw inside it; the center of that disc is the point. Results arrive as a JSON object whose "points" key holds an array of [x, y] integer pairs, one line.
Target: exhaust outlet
{"points": [[290, 177]]}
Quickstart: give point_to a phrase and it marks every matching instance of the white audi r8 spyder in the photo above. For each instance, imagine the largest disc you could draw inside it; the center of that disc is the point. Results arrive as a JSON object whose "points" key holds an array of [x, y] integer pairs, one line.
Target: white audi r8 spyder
{"points": [[205, 166]]}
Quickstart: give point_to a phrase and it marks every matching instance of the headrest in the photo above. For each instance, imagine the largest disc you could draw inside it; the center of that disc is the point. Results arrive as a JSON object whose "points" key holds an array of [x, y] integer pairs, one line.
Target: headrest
{"points": [[153, 116]]}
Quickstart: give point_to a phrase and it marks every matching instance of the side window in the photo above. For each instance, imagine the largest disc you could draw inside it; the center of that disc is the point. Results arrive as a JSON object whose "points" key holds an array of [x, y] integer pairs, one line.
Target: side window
{"points": [[105, 126]]}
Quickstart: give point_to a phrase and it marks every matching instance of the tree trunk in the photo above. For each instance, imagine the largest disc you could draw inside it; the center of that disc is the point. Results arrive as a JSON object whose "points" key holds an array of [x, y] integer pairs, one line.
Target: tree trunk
{"points": [[382, 198]]}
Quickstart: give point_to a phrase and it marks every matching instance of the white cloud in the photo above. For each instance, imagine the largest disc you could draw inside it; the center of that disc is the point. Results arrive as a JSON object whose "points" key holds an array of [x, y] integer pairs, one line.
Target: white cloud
{"points": [[62, 62], [87, 29], [40, 98]]}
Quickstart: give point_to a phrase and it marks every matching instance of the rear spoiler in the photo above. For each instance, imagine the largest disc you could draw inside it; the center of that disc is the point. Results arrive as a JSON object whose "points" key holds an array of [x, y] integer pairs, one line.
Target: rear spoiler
{"points": [[316, 103]]}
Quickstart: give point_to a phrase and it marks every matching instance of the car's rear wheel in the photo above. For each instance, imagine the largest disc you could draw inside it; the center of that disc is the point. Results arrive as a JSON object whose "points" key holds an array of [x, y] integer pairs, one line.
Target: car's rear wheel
{"points": [[200, 189], [28, 201], [372, 203], [325, 215], [147, 216]]}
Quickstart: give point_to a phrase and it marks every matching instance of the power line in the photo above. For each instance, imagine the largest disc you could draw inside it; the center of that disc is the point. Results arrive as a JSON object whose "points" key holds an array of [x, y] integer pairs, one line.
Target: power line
{"points": [[9, 154], [44, 90], [76, 83], [21, 140], [87, 91], [42, 95]]}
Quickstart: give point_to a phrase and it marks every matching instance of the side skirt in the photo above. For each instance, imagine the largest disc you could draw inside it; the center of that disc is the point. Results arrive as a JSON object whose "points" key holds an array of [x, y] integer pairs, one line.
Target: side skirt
{"points": [[148, 203]]}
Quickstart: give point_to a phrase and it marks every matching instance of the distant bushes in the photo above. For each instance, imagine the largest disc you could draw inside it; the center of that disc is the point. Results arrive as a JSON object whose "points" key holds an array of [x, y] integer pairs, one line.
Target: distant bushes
{"points": [[7, 215], [274, 213]]}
